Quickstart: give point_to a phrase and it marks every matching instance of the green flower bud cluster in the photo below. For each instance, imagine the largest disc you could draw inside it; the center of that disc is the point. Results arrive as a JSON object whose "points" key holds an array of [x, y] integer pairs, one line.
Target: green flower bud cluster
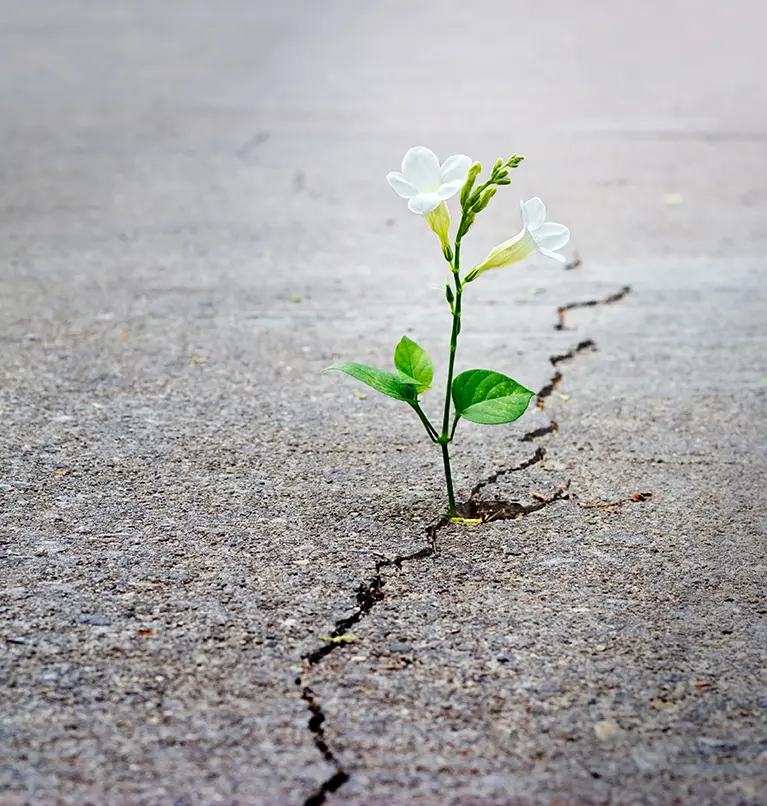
{"points": [[474, 200]]}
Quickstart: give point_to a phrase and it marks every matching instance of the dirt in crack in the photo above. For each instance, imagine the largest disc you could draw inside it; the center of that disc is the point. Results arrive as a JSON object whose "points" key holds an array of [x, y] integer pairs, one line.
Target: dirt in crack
{"points": [[495, 510]]}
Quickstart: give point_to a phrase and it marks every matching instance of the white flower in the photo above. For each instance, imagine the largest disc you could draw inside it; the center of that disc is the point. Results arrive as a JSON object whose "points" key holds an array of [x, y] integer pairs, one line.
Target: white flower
{"points": [[424, 182], [537, 236]]}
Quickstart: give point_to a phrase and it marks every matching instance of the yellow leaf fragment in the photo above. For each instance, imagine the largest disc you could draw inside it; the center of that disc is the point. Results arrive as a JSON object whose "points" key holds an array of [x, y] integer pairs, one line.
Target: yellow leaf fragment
{"points": [[347, 638]]}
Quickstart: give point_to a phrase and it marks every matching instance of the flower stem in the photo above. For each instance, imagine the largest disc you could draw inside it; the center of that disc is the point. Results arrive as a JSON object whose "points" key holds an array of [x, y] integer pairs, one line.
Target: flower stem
{"points": [[445, 436], [448, 479], [430, 430]]}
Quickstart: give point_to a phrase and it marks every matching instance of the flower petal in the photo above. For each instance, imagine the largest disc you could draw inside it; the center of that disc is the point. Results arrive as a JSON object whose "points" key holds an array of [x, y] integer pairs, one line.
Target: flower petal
{"points": [[449, 189], [420, 167], [533, 212], [401, 186], [554, 255], [551, 236], [424, 203], [455, 169]]}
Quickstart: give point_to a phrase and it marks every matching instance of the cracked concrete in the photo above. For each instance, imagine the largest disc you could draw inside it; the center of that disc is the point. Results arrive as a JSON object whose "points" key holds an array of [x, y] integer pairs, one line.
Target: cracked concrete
{"points": [[588, 667], [195, 223]]}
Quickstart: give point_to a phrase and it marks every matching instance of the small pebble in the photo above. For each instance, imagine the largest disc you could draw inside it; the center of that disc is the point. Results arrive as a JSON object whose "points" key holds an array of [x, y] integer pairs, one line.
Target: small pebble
{"points": [[606, 729]]}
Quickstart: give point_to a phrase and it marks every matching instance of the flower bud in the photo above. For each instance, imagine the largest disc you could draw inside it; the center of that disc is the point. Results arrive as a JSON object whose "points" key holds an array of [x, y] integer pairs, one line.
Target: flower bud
{"points": [[466, 221], [484, 199], [474, 172]]}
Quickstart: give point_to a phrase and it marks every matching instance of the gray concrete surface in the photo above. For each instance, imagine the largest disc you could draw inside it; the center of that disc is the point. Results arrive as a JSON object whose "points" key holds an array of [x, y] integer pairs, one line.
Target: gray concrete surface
{"points": [[187, 506]]}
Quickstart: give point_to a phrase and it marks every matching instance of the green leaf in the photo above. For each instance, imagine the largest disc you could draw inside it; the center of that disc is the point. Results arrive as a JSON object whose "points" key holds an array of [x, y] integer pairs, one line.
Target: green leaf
{"points": [[385, 382], [413, 364], [490, 398]]}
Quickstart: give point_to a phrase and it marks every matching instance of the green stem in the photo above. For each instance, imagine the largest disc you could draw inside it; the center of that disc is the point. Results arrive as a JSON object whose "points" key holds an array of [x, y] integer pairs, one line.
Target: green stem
{"points": [[448, 479], [430, 430], [444, 437], [455, 425]]}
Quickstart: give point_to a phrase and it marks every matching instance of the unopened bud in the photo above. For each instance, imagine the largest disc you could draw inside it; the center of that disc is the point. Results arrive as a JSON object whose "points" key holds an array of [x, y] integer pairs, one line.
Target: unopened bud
{"points": [[466, 221], [474, 172], [449, 296], [504, 181], [484, 199]]}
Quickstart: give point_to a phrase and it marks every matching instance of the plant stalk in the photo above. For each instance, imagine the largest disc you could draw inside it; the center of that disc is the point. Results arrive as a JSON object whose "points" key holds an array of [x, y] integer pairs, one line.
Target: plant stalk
{"points": [[445, 436], [430, 430], [448, 479]]}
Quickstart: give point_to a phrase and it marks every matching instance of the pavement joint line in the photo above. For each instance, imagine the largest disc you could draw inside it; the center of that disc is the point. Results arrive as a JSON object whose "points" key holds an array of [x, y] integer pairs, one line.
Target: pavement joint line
{"points": [[370, 593]]}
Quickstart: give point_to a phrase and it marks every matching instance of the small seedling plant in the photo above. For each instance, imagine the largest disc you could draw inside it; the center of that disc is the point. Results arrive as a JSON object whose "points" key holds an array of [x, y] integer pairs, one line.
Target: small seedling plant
{"points": [[478, 395]]}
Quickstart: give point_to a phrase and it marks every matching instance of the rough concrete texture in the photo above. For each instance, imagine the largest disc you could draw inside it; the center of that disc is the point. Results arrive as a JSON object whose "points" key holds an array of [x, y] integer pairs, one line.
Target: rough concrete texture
{"points": [[195, 223]]}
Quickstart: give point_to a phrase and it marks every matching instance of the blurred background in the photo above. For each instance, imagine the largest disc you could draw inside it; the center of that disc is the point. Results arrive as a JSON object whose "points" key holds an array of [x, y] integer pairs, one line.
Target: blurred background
{"points": [[269, 126]]}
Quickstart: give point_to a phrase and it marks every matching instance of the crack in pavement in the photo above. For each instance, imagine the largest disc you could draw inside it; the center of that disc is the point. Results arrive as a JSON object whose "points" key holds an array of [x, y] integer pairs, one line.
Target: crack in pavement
{"points": [[538, 456], [540, 432], [575, 263], [370, 593], [556, 378], [587, 344], [548, 389], [509, 510], [589, 303], [339, 777]]}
